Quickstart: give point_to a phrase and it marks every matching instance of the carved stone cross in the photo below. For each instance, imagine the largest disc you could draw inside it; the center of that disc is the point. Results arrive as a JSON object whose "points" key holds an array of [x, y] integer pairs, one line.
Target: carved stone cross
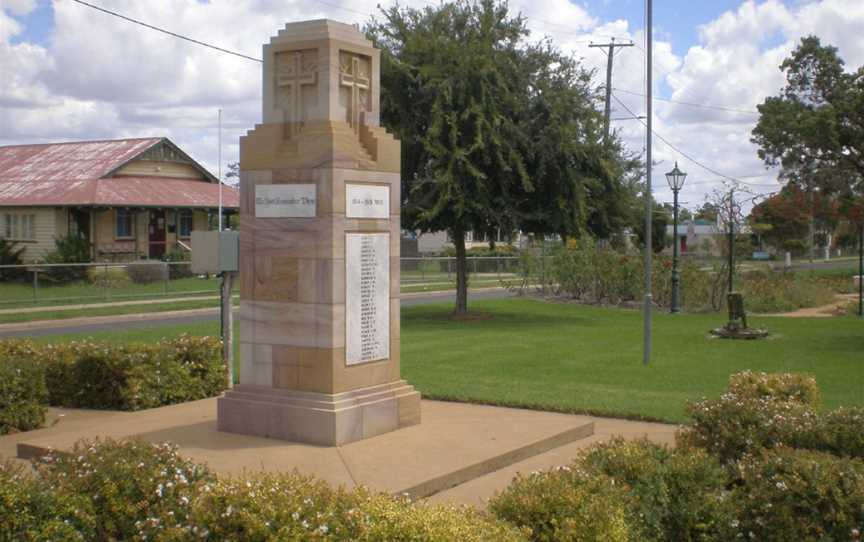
{"points": [[357, 82], [290, 75]]}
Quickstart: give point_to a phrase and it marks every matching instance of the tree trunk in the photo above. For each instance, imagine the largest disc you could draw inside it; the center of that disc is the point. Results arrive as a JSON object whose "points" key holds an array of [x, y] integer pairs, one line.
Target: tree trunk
{"points": [[461, 272]]}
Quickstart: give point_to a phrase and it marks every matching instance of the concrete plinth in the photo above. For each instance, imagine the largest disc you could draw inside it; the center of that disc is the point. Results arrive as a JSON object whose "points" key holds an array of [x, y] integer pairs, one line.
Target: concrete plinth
{"points": [[319, 418]]}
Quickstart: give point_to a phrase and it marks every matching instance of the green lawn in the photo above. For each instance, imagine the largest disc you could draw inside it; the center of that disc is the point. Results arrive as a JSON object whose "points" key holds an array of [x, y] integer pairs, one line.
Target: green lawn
{"points": [[19, 294], [586, 359]]}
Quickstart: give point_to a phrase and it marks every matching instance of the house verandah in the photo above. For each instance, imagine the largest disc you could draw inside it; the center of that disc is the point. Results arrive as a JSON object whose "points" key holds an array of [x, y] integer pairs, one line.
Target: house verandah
{"points": [[131, 199], [135, 233]]}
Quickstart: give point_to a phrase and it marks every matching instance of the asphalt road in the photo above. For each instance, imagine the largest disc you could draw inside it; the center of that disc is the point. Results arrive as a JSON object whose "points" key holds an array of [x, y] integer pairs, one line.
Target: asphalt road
{"points": [[432, 297]]}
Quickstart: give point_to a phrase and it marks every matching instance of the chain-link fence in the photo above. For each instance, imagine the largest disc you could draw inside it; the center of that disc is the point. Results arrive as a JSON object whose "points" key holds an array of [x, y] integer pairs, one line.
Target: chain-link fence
{"points": [[435, 272], [63, 284]]}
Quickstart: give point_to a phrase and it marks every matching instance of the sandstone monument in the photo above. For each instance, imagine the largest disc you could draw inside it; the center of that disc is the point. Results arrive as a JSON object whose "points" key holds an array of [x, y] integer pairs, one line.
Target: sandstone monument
{"points": [[319, 249]]}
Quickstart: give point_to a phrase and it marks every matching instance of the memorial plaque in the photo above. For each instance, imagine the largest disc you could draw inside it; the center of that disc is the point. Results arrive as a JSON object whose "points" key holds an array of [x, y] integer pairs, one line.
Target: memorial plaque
{"points": [[367, 297], [367, 201], [285, 201]]}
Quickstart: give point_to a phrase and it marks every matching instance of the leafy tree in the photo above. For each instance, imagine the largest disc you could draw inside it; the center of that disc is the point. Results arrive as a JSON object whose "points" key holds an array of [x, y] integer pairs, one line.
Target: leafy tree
{"points": [[660, 218], [814, 129], [786, 214], [497, 134], [455, 84]]}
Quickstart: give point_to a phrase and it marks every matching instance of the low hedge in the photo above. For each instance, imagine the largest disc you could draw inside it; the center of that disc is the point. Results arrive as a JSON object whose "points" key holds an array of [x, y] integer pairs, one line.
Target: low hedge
{"points": [[786, 494], [132, 490], [623, 490], [87, 374], [22, 395], [734, 426]]}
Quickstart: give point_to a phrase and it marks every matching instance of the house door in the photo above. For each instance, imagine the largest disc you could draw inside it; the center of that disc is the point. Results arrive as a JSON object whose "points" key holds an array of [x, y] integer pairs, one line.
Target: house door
{"points": [[157, 234], [683, 245], [79, 223]]}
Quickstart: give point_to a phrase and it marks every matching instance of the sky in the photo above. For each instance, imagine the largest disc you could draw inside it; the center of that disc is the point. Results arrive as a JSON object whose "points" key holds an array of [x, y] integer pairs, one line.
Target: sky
{"points": [[69, 72]]}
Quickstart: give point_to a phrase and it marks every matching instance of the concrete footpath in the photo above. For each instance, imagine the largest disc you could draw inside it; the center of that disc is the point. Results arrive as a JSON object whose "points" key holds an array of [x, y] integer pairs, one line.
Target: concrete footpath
{"points": [[460, 453]]}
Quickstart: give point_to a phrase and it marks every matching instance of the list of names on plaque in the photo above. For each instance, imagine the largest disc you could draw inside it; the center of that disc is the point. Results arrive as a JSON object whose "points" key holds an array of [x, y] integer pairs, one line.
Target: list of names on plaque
{"points": [[367, 297]]}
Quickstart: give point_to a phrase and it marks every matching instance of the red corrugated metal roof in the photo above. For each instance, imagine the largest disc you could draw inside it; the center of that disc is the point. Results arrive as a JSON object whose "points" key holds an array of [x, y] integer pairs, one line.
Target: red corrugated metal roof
{"points": [[63, 174], [119, 192], [68, 161]]}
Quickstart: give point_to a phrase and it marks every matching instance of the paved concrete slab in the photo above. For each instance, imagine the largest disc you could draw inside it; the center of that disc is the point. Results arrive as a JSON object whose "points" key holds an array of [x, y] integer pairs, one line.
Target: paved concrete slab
{"points": [[478, 491], [454, 443]]}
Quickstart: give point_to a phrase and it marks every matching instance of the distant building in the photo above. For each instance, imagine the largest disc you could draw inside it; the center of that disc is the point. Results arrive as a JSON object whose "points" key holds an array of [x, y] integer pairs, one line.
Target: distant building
{"points": [[130, 198], [696, 237]]}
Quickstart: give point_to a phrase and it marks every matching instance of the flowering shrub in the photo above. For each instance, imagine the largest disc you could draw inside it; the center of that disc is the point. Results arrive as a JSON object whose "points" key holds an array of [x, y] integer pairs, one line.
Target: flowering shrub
{"points": [[766, 411], [569, 504], [132, 490], [294, 507], [840, 432], [787, 494], [31, 510], [624, 490], [87, 374], [678, 495], [800, 388], [135, 489], [22, 395], [732, 426]]}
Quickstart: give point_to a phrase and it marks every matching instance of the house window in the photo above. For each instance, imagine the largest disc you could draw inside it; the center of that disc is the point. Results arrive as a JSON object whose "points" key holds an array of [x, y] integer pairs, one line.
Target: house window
{"points": [[124, 223], [19, 227], [185, 226]]}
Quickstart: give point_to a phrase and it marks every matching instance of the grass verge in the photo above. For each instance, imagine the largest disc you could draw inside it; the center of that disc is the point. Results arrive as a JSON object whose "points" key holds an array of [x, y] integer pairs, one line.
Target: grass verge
{"points": [[581, 359]]}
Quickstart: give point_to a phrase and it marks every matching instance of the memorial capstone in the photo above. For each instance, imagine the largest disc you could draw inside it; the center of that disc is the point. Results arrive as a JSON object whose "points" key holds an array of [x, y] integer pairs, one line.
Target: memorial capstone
{"points": [[319, 249]]}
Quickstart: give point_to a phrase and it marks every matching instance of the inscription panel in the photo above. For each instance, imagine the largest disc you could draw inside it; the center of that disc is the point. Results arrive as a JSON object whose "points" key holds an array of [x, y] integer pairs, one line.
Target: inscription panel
{"points": [[367, 201], [285, 200], [367, 297]]}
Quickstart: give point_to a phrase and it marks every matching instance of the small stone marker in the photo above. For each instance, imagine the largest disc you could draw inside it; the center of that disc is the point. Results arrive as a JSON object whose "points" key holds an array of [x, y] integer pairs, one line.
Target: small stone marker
{"points": [[319, 249]]}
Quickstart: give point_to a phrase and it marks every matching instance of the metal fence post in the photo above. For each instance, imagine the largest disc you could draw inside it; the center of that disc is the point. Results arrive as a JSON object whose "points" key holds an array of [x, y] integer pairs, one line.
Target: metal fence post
{"points": [[166, 274], [35, 284], [423, 269]]}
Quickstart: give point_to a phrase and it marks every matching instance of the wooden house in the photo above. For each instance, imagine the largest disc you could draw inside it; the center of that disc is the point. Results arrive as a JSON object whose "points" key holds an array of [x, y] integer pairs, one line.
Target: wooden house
{"points": [[130, 198]]}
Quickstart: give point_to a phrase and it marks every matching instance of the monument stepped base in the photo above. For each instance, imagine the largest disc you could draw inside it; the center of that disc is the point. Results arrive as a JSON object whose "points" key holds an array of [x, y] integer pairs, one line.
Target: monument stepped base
{"points": [[318, 418], [455, 444]]}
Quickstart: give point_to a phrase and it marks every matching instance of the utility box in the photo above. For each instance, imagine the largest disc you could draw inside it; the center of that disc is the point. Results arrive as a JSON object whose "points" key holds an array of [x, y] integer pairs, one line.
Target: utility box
{"points": [[215, 251]]}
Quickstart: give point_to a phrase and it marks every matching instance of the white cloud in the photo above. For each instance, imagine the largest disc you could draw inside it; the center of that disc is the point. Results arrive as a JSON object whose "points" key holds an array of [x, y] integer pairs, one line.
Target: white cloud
{"points": [[19, 7], [99, 76]]}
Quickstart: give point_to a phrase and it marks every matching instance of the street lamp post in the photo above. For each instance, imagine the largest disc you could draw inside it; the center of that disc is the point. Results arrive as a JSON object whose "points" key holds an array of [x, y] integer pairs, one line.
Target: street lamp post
{"points": [[675, 178]]}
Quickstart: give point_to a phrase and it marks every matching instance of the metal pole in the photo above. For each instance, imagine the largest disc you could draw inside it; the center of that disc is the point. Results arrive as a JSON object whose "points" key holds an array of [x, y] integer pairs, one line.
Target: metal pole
{"points": [[731, 238], [675, 276], [35, 284], [227, 324], [649, 22], [219, 169]]}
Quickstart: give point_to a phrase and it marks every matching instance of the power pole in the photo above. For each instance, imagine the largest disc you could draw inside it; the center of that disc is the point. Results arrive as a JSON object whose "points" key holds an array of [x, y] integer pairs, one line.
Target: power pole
{"points": [[610, 54]]}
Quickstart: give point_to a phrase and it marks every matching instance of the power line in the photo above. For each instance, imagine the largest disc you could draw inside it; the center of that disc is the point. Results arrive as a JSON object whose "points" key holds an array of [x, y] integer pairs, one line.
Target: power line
{"points": [[682, 153], [173, 34], [691, 104]]}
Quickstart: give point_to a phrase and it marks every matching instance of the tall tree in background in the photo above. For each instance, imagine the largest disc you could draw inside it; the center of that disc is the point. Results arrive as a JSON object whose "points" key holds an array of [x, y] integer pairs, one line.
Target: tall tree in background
{"points": [[497, 134], [814, 129], [452, 81]]}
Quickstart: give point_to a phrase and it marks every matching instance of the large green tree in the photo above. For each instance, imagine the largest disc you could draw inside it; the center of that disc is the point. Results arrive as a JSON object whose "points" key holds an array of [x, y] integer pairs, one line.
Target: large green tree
{"points": [[497, 133], [814, 129]]}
